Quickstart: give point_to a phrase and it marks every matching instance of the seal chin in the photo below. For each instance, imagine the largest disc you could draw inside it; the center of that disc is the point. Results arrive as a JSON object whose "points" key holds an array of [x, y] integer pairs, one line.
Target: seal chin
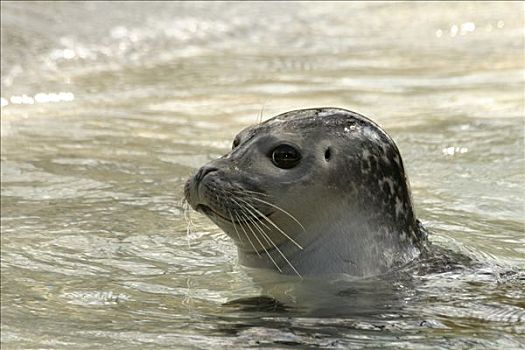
{"points": [[209, 212]]}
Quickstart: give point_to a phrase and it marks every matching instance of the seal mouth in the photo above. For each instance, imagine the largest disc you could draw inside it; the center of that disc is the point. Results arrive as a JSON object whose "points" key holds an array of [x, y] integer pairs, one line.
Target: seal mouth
{"points": [[208, 211]]}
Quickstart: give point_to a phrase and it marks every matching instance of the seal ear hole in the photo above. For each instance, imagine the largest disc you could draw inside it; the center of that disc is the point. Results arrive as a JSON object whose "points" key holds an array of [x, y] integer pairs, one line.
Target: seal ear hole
{"points": [[327, 154]]}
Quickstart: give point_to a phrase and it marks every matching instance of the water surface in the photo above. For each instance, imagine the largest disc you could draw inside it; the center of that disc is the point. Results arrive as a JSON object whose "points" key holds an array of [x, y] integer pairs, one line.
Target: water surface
{"points": [[107, 108]]}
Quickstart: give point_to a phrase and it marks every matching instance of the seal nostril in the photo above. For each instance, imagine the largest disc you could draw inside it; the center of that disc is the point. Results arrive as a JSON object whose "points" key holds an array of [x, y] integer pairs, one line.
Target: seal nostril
{"points": [[205, 170]]}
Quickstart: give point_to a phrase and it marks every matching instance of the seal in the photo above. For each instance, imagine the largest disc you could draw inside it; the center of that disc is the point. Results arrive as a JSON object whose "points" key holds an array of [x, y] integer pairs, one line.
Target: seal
{"points": [[312, 191]]}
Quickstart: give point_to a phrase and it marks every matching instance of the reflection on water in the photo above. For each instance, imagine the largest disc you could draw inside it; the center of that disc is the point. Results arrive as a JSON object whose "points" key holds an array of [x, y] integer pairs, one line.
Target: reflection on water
{"points": [[107, 108]]}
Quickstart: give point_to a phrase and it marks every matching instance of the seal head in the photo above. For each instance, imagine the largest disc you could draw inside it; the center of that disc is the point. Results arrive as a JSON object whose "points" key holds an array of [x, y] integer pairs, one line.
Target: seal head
{"points": [[313, 191]]}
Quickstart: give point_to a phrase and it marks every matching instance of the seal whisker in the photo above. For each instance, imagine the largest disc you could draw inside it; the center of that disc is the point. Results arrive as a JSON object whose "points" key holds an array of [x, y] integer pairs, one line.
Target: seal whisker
{"points": [[234, 226], [246, 234], [251, 192], [254, 220], [266, 238], [274, 225], [261, 113], [187, 217], [244, 209], [280, 209], [245, 218], [269, 240], [233, 222], [282, 254]]}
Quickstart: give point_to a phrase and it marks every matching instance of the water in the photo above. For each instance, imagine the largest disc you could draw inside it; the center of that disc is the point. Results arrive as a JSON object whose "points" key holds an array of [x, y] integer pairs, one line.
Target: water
{"points": [[107, 108]]}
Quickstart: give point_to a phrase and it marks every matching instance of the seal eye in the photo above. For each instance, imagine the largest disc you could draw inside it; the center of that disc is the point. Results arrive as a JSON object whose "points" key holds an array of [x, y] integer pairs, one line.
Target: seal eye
{"points": [[285, 156], [236, 142]]}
